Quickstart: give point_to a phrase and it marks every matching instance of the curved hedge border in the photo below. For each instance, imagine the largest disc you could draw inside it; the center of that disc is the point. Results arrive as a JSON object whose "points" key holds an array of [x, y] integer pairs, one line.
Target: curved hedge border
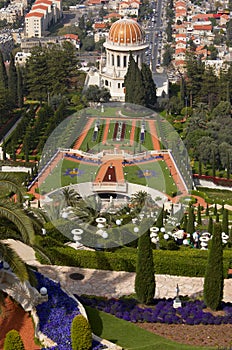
{"points": [[191, 263]]}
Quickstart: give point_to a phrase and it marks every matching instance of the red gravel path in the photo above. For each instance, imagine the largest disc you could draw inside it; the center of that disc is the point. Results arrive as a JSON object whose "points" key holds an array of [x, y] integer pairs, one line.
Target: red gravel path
{"points": [[14, 317]]}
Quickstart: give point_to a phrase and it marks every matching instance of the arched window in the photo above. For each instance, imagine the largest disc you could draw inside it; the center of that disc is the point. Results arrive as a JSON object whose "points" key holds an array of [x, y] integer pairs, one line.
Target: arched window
{"points": [[124, 61], [118, 61]]}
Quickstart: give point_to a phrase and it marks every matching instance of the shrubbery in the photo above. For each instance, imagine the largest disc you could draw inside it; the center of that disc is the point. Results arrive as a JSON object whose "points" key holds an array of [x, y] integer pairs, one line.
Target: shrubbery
{"points": [[81, 334], [188, 262], [13, 341]]}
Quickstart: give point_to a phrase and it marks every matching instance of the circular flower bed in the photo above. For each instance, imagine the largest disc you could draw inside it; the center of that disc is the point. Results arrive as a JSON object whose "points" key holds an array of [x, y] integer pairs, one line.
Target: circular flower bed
{"points": [[191, 312]]}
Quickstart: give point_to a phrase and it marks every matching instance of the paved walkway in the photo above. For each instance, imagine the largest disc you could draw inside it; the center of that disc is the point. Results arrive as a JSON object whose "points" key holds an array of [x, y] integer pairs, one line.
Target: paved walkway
{"points": [[114, 283]]}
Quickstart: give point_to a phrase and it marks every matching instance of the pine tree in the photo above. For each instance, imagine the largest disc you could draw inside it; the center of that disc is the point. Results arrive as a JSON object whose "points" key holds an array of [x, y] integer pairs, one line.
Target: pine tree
{"points": [[199, 215], [3, 73], [12, 81], [145, 279], [210, 225], [225, 223], [214, 281]]}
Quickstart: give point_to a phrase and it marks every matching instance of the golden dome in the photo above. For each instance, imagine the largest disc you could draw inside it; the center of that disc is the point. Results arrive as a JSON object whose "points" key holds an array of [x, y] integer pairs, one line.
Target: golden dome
{"points": [[126, 32]]}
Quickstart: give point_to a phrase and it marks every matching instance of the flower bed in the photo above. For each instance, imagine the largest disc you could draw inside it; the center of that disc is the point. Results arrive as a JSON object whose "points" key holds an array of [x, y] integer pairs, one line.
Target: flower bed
{"points": [[56, 315], [191, 312]]}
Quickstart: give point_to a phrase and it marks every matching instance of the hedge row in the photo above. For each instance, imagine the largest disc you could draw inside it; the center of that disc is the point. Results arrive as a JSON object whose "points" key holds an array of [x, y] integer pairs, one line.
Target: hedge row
{"points": [[191, 263]]}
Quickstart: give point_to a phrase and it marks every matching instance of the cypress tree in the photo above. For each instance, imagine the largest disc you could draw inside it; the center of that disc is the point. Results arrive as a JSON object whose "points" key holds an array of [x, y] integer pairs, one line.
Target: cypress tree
{"points": [[225, 222], [3, 73], [207, 210], [213, 283], [12, 81], [210, 225], [217, 217], [215, 209], [185, 222], [145, 279], [135, 90], [200, 167], [199, 215], [160, 219], [228, 166], [190, 225], [19, 88], [149, 86]]}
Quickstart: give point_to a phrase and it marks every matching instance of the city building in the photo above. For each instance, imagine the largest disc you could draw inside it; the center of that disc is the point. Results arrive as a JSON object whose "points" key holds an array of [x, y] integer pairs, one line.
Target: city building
{"points": [[43, 14]]}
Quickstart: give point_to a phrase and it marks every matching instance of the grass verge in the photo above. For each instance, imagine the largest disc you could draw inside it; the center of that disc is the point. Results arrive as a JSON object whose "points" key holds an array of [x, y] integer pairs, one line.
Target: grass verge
{"points": [[129, 336]]}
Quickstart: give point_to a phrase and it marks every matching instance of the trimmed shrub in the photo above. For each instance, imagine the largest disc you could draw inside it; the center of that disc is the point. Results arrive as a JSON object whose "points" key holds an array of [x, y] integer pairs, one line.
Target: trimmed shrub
{"points": [[81, 334], [213, 284], [13, 341]]}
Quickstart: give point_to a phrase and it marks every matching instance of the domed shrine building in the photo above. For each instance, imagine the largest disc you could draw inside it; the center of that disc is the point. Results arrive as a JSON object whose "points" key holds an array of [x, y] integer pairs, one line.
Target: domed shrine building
{"points": [[125, 36]]}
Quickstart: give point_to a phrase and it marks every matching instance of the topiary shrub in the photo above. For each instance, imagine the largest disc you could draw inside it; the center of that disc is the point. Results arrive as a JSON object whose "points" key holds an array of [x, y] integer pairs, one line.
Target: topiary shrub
{"points": [[81, 334], [13, 341]]}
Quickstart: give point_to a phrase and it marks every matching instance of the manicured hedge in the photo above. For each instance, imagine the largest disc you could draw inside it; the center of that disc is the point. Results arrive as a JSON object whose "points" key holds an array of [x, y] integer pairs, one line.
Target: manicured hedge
{"points": [[189, 262]]}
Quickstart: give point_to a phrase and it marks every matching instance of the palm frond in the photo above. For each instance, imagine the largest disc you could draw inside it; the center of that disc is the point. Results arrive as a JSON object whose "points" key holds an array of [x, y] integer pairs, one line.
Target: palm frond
{"points": [[11, 183], [17, 265], [14, 213]]}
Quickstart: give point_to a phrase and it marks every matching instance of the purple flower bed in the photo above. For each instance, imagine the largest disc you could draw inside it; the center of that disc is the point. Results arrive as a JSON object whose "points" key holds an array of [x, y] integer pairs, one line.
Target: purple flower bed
{"points": [[56, 315], [190, 313]]}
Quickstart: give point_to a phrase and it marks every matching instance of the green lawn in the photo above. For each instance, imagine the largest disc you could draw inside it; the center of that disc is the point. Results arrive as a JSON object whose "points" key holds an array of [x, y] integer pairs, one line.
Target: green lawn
{"points": [[161, 179], [87, 172], [129, 336], [58, 178]]}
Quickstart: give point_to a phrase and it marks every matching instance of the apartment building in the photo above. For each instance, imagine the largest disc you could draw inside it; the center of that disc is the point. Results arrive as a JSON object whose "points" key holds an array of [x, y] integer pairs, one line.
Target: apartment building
{"points": [[12, 12], [42, 15]]}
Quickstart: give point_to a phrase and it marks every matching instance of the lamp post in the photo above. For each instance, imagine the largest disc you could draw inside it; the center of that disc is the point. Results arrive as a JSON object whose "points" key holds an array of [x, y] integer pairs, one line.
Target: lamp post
{"points": [[177, 302]]}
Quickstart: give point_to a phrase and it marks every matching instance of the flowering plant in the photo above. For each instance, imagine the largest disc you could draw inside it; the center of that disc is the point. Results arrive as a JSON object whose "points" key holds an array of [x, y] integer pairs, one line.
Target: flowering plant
{"points": [[56, 315], [191, 312]]}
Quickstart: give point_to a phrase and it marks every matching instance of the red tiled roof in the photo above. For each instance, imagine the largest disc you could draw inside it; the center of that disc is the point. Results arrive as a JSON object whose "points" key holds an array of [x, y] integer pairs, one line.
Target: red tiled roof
{"points": [[99, 25], [48, 2], [181, 35], [180, 3], [112, 15], [179, 62], [42, 7], [181, 50], [34, 14], [199, 48], [71, 36], [202, 27]]}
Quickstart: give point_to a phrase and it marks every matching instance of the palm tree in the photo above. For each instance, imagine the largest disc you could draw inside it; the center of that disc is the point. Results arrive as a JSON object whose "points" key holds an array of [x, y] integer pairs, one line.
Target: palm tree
{"points": [[140, 199], [88, 209], [71, 196]]}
